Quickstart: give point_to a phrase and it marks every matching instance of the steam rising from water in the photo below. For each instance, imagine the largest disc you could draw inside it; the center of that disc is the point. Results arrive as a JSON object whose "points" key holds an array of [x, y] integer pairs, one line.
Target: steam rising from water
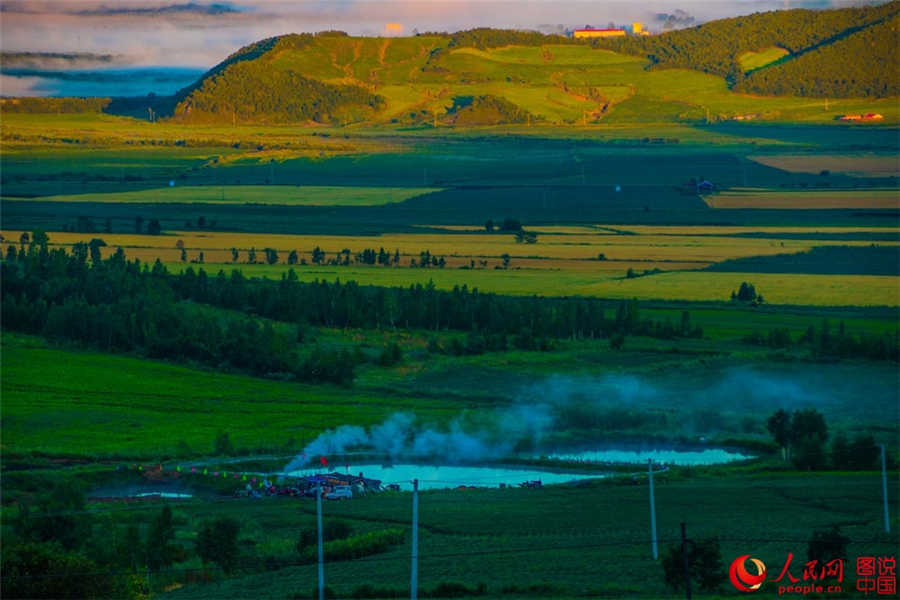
{"points": [[697, 403]]}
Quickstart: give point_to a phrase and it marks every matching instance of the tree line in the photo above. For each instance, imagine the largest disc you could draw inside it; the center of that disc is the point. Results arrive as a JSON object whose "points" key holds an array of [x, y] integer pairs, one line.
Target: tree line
{"points": [[802, 436], [826, 342], [122, 306]]}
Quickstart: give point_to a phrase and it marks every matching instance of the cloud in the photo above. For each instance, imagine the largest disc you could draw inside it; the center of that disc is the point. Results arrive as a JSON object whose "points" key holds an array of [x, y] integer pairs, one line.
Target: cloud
{"points": [[158, 32], [190, 7]]}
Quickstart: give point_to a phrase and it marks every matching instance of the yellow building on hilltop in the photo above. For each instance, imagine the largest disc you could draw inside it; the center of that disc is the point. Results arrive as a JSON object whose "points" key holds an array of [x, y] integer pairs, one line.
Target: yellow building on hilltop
{"points": [[590, 32]]}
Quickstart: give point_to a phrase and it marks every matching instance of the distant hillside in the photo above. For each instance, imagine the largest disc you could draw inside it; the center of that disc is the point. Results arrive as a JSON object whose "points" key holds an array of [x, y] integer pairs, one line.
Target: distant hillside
{"points": [[864, 64], [485, 77], [838, 53]]}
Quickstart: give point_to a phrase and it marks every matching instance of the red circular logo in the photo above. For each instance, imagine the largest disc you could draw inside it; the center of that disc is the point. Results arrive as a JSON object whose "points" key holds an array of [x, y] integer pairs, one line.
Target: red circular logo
{"points": [[742, 579]]}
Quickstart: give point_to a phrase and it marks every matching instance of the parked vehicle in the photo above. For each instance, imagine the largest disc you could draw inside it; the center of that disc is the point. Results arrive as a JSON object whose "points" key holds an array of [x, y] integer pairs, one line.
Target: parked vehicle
{"points": [[340, 492]]}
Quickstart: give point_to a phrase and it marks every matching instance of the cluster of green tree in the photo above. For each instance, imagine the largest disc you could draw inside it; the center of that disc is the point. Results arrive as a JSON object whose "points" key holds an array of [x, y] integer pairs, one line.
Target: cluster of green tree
{"points": [[350, 305], [704, 566], [747, 293], [251, 91], [427, 259], [715, 47], [57, 549], [369, 256], [825, 343], [119, 306], [487, 110], [703, 563], [486, 37], [802, 436], [53, 105]]}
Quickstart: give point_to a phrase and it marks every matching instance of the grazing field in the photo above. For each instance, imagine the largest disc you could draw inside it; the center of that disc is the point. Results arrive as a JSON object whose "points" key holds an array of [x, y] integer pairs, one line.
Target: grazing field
{"points": [[807, 199]]}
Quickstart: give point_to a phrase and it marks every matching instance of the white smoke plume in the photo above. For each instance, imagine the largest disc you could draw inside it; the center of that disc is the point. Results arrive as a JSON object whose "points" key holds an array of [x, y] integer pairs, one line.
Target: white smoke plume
{"points": [[546, 411]]}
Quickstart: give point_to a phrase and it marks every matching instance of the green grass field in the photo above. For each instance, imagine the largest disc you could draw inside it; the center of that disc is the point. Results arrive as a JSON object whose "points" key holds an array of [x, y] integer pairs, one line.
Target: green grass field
{"points": [[88, 403], [277, 195], [750, 61], [590, 540]]}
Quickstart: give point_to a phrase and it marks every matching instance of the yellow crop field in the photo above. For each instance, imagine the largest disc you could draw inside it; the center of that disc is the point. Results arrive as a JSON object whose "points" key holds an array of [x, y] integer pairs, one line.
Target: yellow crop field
{"points": [[696, 249], [856, 165], [686, 250], [807, 199], [776, 288]]}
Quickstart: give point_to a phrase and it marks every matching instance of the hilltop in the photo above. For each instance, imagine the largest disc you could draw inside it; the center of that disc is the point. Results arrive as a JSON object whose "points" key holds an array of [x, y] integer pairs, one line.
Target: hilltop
{"points": [[763, 66]]}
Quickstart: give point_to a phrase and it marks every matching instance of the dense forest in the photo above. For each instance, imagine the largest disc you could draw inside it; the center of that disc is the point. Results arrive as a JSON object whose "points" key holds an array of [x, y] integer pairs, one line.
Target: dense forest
{"points": [[487, 110], [863, 64], [485, 37], [53, 105], [252, 91], [715, 47]]}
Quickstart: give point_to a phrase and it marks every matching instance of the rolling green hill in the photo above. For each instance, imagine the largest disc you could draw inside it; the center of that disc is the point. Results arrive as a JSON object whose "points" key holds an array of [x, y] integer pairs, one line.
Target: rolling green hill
{"points": [[490, 77], [484, 77]]}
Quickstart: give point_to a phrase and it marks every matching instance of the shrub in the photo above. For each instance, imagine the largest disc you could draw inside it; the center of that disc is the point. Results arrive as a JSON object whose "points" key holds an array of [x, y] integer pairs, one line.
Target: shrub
{"points": [[391, 355], [705, 560], [357, 546], [826, 545]]}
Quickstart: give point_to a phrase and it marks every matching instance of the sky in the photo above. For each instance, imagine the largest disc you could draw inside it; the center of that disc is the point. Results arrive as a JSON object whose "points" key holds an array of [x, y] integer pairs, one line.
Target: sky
{"points": [[195, 33]]}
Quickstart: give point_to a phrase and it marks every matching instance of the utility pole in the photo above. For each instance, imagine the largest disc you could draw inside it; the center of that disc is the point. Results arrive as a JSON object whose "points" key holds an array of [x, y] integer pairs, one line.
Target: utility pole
{"points": [[884, 494], [652, 512], [414, 572], [319, 535], [687, 565]]}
